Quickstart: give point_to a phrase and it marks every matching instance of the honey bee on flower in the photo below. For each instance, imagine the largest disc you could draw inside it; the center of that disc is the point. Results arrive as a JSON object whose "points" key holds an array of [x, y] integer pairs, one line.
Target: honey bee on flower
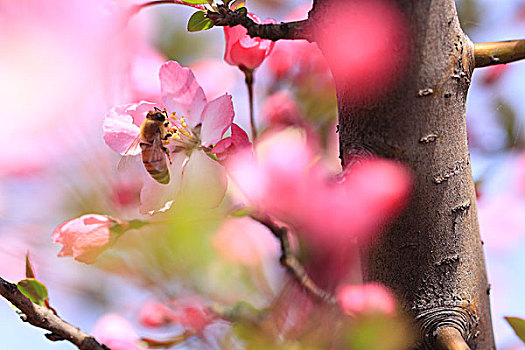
{"points": [[193, 127]]}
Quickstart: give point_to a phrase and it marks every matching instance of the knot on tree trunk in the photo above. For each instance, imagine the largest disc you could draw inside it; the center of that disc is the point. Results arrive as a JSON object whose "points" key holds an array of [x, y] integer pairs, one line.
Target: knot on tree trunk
{"points": [[462, 318]]}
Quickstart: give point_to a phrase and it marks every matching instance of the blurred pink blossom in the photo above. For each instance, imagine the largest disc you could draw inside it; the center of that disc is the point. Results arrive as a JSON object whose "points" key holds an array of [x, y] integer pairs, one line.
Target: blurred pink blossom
{"points": [[200, 124], [116, 333], [71, 57], [366, 298], [281, 109], [231, 145], [86, 237], [214, 76], [501, 213], [494, 74], [188, 312], [155, 314], [243, 50], [245, 241], [329, 214], [366, 44]]}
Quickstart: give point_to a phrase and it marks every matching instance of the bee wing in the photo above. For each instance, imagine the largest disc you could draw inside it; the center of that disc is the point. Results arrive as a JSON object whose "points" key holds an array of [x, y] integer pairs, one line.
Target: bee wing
{"points": [[156, 151], [130, 155]]}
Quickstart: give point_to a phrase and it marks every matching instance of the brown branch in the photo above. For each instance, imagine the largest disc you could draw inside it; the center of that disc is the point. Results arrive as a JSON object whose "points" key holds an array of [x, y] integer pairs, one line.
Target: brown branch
{"points": [[489, 54], [45, 318], [290, 262], [139, 7], [284, 30], [449, 338]]}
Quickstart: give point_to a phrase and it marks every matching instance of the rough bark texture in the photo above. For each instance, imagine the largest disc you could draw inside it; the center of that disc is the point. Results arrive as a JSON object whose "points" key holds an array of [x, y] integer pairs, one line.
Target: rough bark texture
{"points": [[432, 256]]}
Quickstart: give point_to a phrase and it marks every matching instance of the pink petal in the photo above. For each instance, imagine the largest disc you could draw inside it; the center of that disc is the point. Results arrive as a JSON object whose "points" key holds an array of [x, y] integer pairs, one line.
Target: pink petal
{"points": [[217, 117], [115, 332], [155, 195], [245, 241], [204, 181], [181, 92], [367, 298], [229, 146], [122, 125]]}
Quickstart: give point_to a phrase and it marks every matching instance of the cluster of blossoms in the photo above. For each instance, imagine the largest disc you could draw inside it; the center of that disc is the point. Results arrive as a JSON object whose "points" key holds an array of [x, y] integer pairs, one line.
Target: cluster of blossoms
{"points": [[279, 175]]}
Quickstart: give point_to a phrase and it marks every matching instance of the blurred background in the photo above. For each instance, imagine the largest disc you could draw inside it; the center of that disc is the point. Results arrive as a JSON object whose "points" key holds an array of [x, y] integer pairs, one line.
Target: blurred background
{"points": [[64, 64]]}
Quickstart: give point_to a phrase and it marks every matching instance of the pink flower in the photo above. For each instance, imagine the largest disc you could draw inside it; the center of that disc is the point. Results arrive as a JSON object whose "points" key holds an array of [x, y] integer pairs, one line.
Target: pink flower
{"points": [[188, 312], [366, 44], [281, 109], [200, 124], [86, 237], [245, 241], [155, 314], [328, 214], [211, 71], [192, 314], [243, 50], [116, 333], [229, 146], [367, 298], [84, 50]]}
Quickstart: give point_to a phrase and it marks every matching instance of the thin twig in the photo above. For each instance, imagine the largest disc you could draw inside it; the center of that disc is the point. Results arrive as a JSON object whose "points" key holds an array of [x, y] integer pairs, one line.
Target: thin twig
{"points": [[489, 54], [44, 318], [248, 79], [284, 30], [139, 7], [290, 262]]}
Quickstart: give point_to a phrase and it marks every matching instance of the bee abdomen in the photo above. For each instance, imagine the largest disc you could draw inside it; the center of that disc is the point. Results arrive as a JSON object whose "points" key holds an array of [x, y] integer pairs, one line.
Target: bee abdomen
{"points": [[158, 167]]}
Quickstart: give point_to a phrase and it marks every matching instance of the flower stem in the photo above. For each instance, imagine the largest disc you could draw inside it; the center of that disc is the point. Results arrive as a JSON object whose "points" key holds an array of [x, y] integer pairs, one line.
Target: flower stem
{"points": [[249, 79]]}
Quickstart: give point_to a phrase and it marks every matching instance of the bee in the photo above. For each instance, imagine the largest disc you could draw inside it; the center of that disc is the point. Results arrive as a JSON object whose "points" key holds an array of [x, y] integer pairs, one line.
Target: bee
{"points": [[154, 133]]}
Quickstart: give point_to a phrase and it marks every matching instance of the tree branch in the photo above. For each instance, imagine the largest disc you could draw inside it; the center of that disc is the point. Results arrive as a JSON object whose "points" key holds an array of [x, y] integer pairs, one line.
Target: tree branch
{"points": [[285, 30], [44, 318], [290, 262], [449, 338], [489, 54]]}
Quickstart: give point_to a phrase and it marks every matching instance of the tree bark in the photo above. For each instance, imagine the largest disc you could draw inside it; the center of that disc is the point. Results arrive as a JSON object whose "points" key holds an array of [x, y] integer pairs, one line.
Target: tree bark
{"points": [[432, 255]]}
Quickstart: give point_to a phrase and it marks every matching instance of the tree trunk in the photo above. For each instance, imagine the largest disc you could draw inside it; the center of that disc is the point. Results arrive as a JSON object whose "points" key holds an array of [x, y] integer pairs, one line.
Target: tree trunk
{"points": [[432, 255]]}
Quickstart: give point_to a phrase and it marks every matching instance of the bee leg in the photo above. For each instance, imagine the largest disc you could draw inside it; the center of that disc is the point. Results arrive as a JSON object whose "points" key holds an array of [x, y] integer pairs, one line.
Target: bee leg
{"points": [[167, 153]]}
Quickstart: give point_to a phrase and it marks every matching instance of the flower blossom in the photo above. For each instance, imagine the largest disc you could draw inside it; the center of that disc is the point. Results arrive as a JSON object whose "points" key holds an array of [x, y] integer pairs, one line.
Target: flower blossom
{"points": [[244, 51], [86, 237], [366, 298], [188, 312], [197, 124], [327, 214], [116, 333]]}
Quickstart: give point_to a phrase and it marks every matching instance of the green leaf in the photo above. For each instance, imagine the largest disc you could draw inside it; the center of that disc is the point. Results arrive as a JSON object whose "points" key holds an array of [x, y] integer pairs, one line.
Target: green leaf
{"points": [[518, 325], [34, 290], [198, 21], [196, 1], [30, 273]]}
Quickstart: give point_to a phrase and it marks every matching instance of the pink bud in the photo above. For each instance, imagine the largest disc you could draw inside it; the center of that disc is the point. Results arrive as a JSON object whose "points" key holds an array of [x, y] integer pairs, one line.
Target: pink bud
{"points": [[367, 298], [86, 237], [154, 314], [243, 50]]}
